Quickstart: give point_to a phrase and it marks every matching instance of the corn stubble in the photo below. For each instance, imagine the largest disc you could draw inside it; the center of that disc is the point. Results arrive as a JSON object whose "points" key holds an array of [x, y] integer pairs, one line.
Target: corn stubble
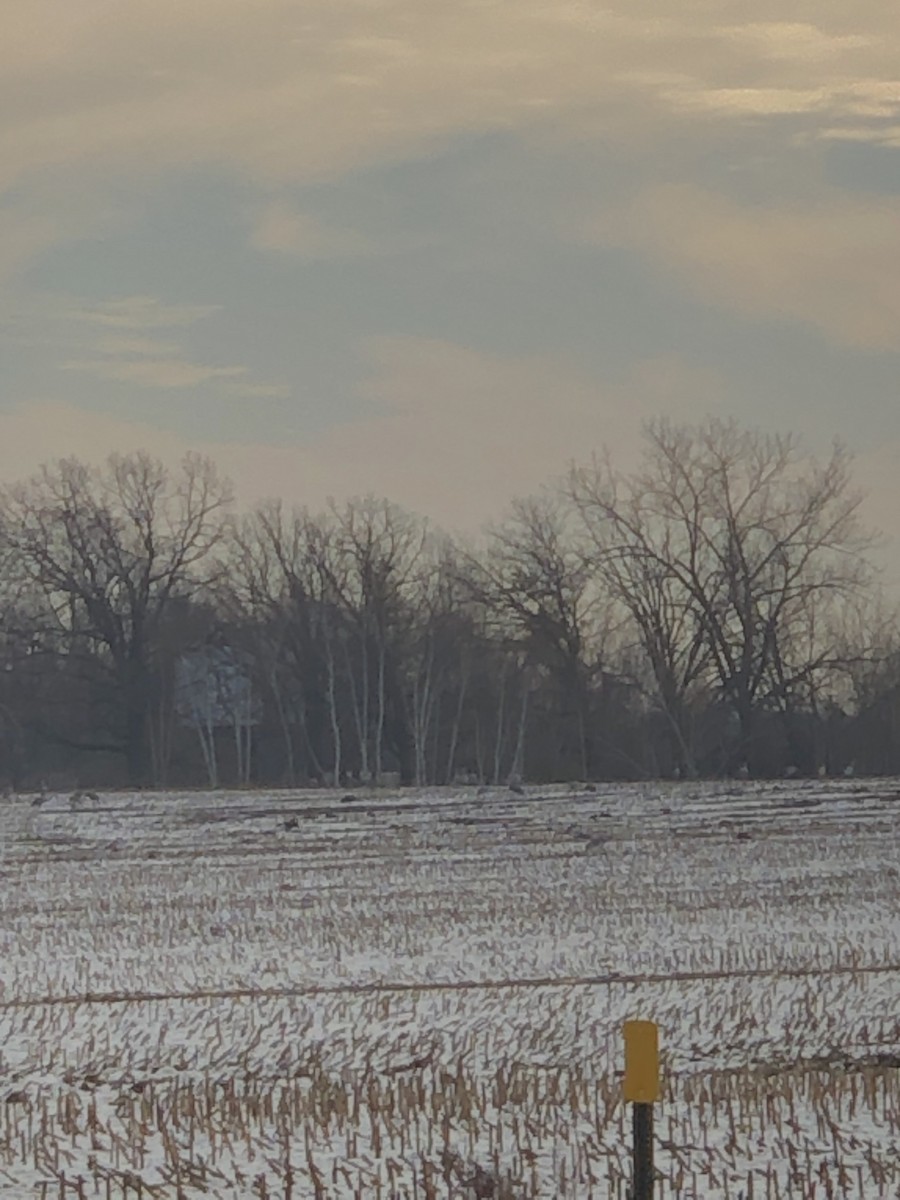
{"points": [[161, 1035]]}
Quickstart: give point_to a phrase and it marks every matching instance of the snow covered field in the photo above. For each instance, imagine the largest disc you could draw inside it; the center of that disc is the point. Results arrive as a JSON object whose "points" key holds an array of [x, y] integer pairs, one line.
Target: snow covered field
{"points": [[421, 995]]}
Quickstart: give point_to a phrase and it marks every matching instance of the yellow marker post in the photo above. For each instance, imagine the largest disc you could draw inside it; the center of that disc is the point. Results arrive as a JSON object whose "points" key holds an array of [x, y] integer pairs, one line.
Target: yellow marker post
{"points": [[642, 1090]]}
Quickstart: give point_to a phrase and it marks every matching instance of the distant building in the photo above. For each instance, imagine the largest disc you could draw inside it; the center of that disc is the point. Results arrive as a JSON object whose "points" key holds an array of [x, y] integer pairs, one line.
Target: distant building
{"points": [[214, 689]]}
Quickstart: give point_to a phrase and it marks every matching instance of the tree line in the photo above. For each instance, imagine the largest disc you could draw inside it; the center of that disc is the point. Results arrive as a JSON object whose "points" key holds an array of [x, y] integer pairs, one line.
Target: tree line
{"points": [[714, 611]]}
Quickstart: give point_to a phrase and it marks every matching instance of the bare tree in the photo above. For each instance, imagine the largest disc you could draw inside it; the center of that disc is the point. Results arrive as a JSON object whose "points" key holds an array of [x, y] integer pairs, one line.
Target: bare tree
{"points": [[437, 651], [108, 551], [718, 544], [283, 588], [378, 551], [188, 623], [631, 548], [543, 597], [712, 606]]}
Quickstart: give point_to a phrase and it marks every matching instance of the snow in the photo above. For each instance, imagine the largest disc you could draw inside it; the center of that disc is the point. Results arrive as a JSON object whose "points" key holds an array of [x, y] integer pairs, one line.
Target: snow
{"points": [[421, 994]]}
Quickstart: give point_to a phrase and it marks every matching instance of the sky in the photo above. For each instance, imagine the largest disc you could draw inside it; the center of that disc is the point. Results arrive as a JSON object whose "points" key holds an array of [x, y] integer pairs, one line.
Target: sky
{"points": [[438, 251]]}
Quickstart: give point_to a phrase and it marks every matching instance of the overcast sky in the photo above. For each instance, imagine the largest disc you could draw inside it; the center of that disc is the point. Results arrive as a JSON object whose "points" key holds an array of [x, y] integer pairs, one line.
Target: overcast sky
{"points": [[436, 250]]}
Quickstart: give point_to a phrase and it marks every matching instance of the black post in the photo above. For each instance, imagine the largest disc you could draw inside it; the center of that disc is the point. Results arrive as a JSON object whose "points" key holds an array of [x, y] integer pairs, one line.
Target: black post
{"points": [[643, 1151]]}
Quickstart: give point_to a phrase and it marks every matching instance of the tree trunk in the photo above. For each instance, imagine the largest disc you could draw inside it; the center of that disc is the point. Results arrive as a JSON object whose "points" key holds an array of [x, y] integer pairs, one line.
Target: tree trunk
{"points": [[454, 732], [333, 713], [501, 720], [357, 707], [517, 770], [287, 736], [379, 717]]}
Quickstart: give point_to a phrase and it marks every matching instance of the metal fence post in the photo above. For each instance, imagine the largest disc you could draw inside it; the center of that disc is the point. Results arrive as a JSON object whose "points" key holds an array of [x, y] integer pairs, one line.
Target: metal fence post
{"points": [[642, 1091]]}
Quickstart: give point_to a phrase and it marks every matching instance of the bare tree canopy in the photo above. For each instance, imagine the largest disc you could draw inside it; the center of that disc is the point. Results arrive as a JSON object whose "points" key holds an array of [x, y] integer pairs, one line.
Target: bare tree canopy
{"points": [[107, 552], [711, 610], [541, 595], [728, 547]]}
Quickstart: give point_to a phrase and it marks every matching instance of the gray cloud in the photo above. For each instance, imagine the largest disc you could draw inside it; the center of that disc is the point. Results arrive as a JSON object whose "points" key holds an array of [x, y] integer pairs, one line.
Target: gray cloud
{"points": [[285, 91], [282, 228], [538, 220], [139, 312], [832, 262], [145, 361]]}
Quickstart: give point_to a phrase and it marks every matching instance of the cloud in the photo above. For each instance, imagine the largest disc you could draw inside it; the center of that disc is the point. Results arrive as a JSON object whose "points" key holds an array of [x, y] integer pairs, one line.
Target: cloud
{"points": [[450, 432], [139, 312], [832, 262], [154, 373], [261, 391], [887, 135], [460, 432], [23, 235], [133, 357], [519, 425], [284, 91], [283, 229], [455, 433], [105, 100], [151, 347], [37, 431], [33, 221], [876, 470], [799, 42]]}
